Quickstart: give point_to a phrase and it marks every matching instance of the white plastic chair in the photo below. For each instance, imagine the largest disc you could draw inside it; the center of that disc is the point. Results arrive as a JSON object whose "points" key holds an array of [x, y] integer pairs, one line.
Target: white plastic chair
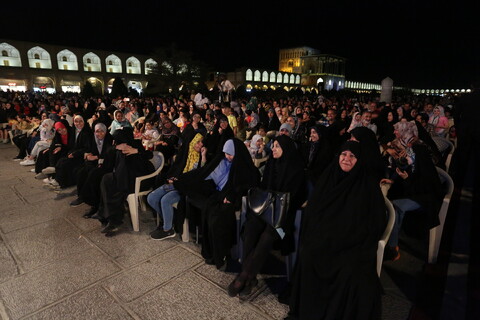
{"points": [[436, 233], [386, 234], [137, 197]]}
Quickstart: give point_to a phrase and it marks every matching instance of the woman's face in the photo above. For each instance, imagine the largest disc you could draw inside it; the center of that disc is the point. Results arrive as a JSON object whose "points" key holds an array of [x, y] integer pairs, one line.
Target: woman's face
{"points": [[314, 135], [259, 142], [358, 117], [347, 160], [100, 134], [198, 146], [79, 123], [436, 112], [277, 150], [414, 113], [223, 124], [390, 117], [229, 157], [62, 131], [343, 115]]}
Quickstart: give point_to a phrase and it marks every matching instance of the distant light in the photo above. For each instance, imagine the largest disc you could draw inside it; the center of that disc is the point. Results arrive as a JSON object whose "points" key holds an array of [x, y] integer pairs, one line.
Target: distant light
{"points": [[12, 84]]}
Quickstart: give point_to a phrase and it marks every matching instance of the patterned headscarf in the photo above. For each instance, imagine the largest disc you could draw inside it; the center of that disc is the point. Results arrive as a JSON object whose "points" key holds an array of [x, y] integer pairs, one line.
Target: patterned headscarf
{"points": [[193, 156]]}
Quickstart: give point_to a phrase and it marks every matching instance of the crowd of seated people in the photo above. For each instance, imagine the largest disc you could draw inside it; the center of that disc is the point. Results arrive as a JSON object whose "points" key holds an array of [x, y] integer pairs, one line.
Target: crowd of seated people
{"points": [[331, 153]]}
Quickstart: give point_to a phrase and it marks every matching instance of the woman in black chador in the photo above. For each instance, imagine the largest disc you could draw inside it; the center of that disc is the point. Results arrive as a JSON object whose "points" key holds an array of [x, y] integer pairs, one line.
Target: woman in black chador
{"points": [[217, 189], [284, 172], [335, 276], [131, 161]]}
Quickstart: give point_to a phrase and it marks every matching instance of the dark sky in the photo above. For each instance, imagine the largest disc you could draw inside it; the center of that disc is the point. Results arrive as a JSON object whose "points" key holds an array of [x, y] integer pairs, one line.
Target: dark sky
{"points": [[419, 44]]}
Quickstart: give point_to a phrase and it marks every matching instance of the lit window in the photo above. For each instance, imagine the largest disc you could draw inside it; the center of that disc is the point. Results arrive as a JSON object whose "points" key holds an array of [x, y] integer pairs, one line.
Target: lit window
{"points": [[65, 67], [89, 69], [37, 65], [110, 70], [6, 63]]}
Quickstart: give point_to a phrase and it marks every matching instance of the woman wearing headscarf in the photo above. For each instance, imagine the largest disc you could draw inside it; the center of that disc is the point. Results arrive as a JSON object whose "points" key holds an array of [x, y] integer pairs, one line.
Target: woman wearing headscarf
{"points": [[46, 136], [317, 155], [415, 183], [257, 147], [284, 173], [131, 161], [217, 190], [119, 121], [385, 126], [169, 139], [220, 134], [439, 122], [370, 151], [66, 167], [62, 143], [335, 276], [99, 160], [162, 199]]}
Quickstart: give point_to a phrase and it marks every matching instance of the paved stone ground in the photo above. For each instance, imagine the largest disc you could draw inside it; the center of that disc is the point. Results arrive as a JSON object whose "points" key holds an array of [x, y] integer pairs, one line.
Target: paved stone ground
{"points": [[54, 264]]}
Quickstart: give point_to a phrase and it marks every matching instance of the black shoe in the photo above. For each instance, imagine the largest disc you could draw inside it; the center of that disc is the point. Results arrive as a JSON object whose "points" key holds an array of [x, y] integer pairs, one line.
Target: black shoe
{"points": [[110, 227], [160, 234], [249, 285], [76, 202], [90, 213], [236, 286], [210, 261]]}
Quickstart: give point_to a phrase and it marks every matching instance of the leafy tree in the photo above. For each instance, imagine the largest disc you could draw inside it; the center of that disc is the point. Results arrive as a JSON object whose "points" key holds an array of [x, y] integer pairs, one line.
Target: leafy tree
{"points": [[87, 90], [118, 88], [176, 71]]}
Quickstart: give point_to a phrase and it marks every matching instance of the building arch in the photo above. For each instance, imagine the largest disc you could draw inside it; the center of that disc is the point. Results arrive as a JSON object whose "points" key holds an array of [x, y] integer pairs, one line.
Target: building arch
{"points": [[67, 60], [92, 62], [265, 76], [39, 58], [297, 79], [279, 77], [10, 56], [134, 84], [285, 78], [133, 66], [272, 77], [257, 76], [113, 64], [249, 75], [44, 84], [150, 64], [292, 79]]}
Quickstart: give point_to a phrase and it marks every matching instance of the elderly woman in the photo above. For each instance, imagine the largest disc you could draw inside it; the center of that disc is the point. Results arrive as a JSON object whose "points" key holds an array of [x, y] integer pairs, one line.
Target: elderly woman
{"points": [[217, 190], [283, 172], [162, 199], [335, 276], [414, 181]]}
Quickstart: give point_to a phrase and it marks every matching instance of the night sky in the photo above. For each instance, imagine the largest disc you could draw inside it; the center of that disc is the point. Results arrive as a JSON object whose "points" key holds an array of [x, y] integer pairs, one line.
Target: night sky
{"points": [[427, 45]]}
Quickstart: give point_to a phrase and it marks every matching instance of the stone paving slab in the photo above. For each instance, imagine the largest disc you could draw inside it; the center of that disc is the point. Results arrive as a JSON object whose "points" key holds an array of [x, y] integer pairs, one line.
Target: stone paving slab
{"points": [[128, 247], [36, 289], [42, 243], [8, 266], [191, 297], [27, 215], [134, 282], [93, 303]]}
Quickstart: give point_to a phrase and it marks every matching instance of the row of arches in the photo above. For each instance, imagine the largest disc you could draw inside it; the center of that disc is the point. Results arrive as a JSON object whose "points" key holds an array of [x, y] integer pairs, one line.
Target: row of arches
{"points": [[39, 58], [272, 77]]}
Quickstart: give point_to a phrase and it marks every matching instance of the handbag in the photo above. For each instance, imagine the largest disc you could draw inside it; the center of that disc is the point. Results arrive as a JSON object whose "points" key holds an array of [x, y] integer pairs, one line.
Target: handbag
{"points": [[271, 206]]}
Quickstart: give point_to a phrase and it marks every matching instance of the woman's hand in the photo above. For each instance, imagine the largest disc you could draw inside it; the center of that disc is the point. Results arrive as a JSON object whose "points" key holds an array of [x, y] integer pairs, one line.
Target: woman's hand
{"points": [[130, 150], [91, 157], [386, 181], [402, 174], [57, 150], [226, 200]]}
